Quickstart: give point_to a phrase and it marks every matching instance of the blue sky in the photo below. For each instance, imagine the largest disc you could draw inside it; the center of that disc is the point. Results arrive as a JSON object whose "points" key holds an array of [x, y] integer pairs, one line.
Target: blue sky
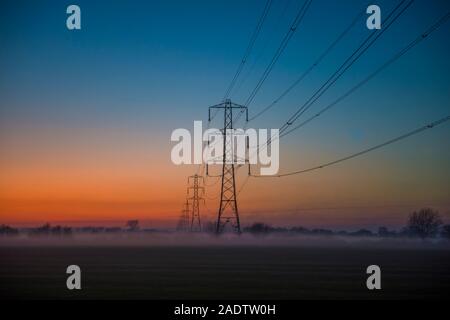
{"points": [[133, 58]]}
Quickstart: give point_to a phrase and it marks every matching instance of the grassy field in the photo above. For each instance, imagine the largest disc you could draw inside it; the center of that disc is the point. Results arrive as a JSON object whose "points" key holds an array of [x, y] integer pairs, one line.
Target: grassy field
{"points": [[221, 272]]}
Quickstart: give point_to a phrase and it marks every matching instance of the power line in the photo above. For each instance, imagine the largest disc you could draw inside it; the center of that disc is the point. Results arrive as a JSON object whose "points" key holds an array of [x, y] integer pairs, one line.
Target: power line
{"points": [[365, 45], [243, 61], [249, 47], [301, 13], [298, 19], [239, 70], [439, 23], [411, 45], [243, 184], [360, 153], [260, 55], [212, 184], [310, 68], [362, 48]]}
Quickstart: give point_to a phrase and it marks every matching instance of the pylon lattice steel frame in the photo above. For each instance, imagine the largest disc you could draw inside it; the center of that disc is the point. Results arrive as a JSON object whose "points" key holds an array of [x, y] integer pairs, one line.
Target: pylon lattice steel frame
{"points": [[198, 193], [183, 224], [228, 208]]}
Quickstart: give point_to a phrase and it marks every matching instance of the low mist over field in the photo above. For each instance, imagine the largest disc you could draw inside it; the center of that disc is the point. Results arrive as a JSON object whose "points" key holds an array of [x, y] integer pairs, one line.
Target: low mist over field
{"points": [[202, 239]]}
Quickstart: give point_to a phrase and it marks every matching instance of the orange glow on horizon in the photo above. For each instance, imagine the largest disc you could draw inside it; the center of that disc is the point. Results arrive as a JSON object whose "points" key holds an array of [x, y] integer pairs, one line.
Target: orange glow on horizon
{"points": [[103, 178]]}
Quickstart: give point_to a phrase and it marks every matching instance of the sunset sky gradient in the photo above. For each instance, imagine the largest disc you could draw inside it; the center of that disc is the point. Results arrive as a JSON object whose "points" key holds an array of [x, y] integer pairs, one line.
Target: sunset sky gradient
{"points": [[86, 116]]}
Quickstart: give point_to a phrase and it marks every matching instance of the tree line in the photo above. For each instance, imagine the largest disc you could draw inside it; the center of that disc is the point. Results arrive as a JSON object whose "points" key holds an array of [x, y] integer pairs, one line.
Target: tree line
{"points": [[424, 223]]}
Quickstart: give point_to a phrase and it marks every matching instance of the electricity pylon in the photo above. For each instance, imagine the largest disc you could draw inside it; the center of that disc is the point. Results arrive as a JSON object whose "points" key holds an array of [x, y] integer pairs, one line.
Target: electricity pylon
{"points": [[183, 224], [195, 183], [228, 208]]}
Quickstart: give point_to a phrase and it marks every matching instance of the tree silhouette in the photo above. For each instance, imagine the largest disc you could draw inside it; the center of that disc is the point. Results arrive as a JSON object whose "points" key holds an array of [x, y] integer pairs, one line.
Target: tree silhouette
{"points": [[446, 231], [424, 223], [259, 228], [133, 225]]}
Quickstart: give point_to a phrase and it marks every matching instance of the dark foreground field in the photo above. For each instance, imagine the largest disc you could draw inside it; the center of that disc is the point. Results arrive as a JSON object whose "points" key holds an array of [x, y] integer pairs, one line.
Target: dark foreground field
{"points": [[221, 272]]}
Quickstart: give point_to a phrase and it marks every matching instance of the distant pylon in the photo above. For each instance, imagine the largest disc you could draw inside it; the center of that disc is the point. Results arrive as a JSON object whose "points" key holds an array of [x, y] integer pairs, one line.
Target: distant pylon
{"points": [[228, 208], [195, 183], [183, 224]]}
